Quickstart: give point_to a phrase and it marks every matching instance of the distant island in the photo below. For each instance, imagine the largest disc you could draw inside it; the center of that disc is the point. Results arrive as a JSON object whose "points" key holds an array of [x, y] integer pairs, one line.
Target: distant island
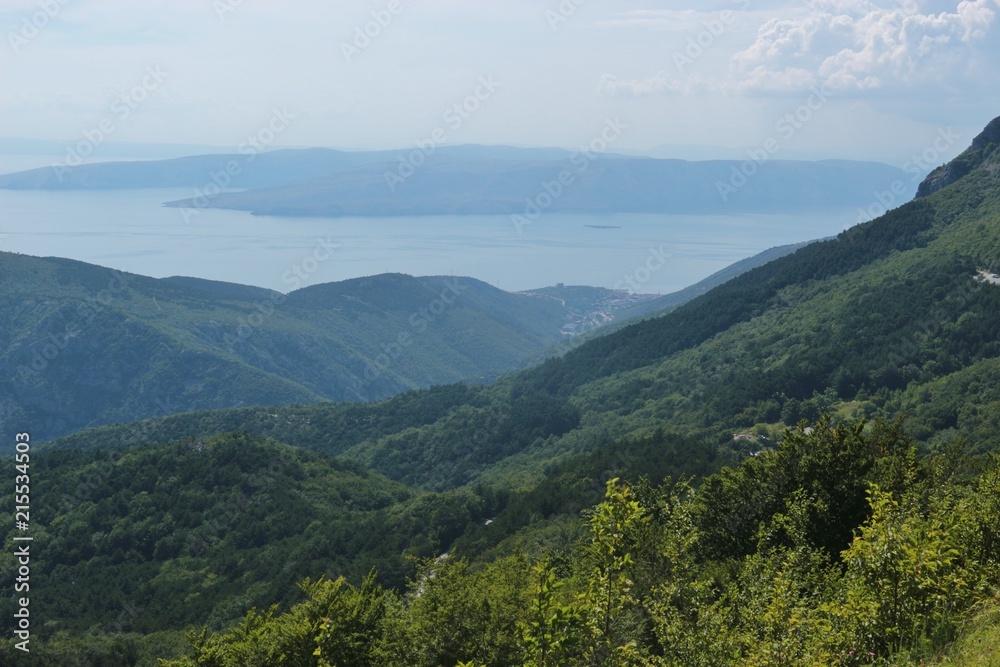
{"points": [[524, 183]]}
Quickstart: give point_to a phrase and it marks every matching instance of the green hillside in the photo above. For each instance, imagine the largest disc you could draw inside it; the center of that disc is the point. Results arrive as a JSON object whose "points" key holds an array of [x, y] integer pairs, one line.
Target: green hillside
{"points": [[134, 545], [81, 345], [201, 530], [870, 537], [870, 323], [842, 546], [664, 304], [978, 647], [850, 550]]}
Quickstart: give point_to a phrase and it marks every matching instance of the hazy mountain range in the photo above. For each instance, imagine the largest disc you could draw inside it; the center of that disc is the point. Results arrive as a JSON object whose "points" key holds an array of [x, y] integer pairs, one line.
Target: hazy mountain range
{"points": [[484, 180]]}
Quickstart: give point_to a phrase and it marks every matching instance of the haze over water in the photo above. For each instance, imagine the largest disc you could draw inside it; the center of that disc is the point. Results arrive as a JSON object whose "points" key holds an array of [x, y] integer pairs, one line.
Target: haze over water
{"points": [[130, 230]]}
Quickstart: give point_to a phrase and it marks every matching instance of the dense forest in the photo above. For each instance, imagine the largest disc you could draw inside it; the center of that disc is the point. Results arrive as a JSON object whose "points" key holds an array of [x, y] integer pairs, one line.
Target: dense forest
{"points": [[83, 345], [840, 547], [797, 468], [843, 545]]}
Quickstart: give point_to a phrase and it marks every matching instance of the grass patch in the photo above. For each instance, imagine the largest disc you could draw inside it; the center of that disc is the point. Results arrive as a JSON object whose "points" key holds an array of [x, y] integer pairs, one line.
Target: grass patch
{"points": [[979, 646]]}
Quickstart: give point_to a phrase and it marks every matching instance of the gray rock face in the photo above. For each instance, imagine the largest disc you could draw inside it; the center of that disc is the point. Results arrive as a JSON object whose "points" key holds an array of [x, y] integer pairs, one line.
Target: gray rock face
{"points": [[943, 176], [976, 156], [991, 135]]}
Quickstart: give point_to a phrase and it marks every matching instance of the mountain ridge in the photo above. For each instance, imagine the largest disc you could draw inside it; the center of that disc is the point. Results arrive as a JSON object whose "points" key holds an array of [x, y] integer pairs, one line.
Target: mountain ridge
{"points": [[82, 343], [845, 335], [979, 154], [844, 324], [254, 335]]}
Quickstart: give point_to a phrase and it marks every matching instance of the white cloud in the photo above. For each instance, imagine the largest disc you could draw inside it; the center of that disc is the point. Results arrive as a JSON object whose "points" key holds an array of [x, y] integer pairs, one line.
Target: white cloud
{"points": [[856, 45]]}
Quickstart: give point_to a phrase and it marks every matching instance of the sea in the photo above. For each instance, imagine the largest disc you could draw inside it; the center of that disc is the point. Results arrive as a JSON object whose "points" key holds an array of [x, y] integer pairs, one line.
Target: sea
{"points": [[131, 230]]}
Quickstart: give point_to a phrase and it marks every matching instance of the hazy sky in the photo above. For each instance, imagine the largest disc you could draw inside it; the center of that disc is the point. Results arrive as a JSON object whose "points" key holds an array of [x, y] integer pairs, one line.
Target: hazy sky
{"points": [[869, 80]]}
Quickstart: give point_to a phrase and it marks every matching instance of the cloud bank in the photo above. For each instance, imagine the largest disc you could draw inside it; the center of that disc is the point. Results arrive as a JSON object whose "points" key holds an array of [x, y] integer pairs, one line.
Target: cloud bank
{"points": [[857, 45], [840, 45]]}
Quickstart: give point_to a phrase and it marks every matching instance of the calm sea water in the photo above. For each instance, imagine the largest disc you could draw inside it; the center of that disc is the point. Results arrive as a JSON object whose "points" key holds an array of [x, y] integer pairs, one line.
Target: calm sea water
{"points": [[130, 230]]}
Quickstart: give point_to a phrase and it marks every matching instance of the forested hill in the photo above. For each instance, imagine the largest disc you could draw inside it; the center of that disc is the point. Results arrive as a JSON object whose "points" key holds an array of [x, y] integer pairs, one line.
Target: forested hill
{"points": [[858, 541], [890, 317], [873, 305], [193, 344], [81, 345], [668, 302]]}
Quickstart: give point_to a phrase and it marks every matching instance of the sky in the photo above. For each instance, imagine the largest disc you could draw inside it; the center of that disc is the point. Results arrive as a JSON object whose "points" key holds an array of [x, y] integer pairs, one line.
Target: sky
{"points": [[848, 79]]}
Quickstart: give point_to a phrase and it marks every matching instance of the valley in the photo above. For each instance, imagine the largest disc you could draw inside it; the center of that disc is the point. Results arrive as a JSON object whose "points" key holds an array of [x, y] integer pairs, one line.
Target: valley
{"points": [[500, 334], [197, 344], [868, 359]]}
